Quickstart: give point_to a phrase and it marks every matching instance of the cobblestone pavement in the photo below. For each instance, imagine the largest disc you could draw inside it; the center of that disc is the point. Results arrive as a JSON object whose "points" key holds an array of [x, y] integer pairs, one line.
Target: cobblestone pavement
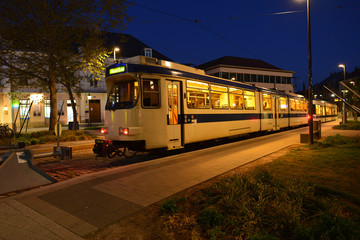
{"points": [[83, 162]]}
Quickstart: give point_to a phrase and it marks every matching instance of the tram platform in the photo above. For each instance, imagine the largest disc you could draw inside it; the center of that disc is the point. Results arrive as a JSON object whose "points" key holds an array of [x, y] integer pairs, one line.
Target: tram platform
{"points": [[74, 208]]}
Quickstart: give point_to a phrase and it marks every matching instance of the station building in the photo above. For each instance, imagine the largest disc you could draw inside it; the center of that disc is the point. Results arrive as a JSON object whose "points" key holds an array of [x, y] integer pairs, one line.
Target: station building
{"points": [[250, 71]]}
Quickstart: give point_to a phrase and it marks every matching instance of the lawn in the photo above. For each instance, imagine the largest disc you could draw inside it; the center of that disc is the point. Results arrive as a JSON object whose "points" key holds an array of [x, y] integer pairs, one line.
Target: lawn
{"points": [[311, 193]]}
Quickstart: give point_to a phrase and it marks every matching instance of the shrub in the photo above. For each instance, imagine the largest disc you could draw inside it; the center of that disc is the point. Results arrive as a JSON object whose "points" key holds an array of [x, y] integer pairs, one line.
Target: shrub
{"points": [[47, 136], [348, 126], [5, 131], [211, 217], [171, 206]]}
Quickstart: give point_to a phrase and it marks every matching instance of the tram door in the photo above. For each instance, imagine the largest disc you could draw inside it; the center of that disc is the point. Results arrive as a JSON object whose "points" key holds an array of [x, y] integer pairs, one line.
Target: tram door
{"points": [[174, 108], [276, 108]]}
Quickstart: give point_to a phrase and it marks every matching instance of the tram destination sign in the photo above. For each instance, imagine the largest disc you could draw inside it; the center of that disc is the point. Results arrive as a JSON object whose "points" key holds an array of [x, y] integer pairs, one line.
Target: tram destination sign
{"points": [[115, 70]]}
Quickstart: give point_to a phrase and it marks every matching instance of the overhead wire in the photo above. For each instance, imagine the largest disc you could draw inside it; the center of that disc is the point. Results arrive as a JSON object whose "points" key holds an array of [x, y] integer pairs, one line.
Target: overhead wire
{"points": [[200, 22]]}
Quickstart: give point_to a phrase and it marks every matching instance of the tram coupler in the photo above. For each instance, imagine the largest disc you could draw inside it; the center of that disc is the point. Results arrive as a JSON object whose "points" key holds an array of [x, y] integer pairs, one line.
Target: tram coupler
{"points": [[106, 148], [101, 147]]}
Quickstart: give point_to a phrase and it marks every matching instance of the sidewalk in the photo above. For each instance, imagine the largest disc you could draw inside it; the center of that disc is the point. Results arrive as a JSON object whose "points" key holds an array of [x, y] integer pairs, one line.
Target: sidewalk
{"points": [[74, 208]]}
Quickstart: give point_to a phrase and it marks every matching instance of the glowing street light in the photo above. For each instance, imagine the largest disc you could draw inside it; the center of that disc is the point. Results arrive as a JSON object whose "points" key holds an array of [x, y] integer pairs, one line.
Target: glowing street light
{"points": [[342, 66], [344, 110], [116, 50]]}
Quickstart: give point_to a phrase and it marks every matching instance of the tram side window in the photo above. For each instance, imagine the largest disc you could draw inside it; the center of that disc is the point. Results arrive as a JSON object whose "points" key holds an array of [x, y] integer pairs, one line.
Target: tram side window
{"points": [[219, 97], [327, 111], [266, 101], [305, 106], [283, 104], [292, 104], [318, 109], [197, 94], [249, 100], [236, 98], [151, 93], [299, 105]]}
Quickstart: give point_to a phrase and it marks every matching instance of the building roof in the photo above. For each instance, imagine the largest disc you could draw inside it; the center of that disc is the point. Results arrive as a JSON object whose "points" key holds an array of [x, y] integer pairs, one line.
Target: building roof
{"points": [[238, 62], [129, 46]]}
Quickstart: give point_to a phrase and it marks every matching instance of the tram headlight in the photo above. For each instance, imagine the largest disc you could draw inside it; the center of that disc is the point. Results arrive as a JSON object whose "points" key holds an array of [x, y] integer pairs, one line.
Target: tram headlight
{"points": [[124, 131], [104, 130]]}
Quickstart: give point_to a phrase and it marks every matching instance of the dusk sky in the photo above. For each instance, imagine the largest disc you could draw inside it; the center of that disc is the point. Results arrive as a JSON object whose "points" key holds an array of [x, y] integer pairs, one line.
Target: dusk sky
{"points": [[201, 30]]}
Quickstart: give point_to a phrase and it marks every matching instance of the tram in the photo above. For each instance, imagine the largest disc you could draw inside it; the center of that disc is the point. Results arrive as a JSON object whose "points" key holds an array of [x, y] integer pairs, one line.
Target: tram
{"points": [[325, 111], [157, 104]]}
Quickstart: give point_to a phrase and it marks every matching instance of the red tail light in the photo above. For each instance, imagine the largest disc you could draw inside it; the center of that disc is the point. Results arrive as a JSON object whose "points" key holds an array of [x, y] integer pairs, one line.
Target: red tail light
{"points": [[104, 130], [124, 131]]}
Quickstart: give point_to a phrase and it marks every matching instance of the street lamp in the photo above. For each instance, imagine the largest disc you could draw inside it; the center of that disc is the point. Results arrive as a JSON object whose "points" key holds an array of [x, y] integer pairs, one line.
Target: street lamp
{"points": [[344, 110], [89, 98], [310, 109], [116, 50]]}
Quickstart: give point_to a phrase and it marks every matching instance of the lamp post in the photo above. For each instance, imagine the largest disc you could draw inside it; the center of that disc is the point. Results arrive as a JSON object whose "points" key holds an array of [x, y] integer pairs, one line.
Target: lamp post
{"points": [[310, 108], [89, 98], [115, 50], [344, 110]]}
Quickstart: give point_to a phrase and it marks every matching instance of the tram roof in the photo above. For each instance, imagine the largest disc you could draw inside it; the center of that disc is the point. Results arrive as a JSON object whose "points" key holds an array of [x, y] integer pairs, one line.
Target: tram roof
{"points": [[150, 65]]}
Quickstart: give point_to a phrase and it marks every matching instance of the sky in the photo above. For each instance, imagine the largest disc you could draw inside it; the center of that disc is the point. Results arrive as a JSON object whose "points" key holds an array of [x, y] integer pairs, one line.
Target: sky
{"points": [[274, 31]]}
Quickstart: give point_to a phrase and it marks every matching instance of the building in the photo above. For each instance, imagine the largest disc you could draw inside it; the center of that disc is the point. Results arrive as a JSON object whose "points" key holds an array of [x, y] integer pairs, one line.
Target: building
{"points": [[90, 103], [251, 71]]}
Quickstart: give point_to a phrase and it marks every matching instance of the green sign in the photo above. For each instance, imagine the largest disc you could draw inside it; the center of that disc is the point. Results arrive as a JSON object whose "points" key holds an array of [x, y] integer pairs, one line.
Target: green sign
{"points": [[117, 70]]}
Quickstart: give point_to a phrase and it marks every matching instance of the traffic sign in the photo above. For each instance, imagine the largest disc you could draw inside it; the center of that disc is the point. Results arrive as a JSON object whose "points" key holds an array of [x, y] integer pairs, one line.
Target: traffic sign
{"points": [[58, 126]]}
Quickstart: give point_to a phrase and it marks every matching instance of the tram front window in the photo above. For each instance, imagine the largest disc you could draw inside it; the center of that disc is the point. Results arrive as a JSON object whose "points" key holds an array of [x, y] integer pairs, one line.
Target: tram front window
{"points": [[123, 95]]}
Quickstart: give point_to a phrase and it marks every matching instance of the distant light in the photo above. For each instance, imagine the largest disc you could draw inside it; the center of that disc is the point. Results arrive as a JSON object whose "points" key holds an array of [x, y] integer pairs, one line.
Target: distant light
{"points": [[89, 97], [167, 64], [36, 97], [341, 65], [116, 49], [333, 95]]}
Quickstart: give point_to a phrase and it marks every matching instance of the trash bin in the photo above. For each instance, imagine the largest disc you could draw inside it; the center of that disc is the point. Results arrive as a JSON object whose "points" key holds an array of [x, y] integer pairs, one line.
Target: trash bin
{"points": [[71, 125]]}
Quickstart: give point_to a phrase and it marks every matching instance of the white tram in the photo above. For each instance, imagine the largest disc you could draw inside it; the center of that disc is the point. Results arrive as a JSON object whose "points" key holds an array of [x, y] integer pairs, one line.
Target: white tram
{"points": [[159, 104], [325, 111]]}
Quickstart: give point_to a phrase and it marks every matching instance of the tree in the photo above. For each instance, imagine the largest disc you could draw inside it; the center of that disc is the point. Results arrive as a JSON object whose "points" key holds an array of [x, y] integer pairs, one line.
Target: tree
{"points": [[45, 42]]}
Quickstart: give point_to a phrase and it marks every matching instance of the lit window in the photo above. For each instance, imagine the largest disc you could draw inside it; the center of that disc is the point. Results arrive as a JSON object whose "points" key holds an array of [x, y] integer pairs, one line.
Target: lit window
{"points": [[236, 98], [249, 100], [219, 97], [266, 101], [197, 94]]}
